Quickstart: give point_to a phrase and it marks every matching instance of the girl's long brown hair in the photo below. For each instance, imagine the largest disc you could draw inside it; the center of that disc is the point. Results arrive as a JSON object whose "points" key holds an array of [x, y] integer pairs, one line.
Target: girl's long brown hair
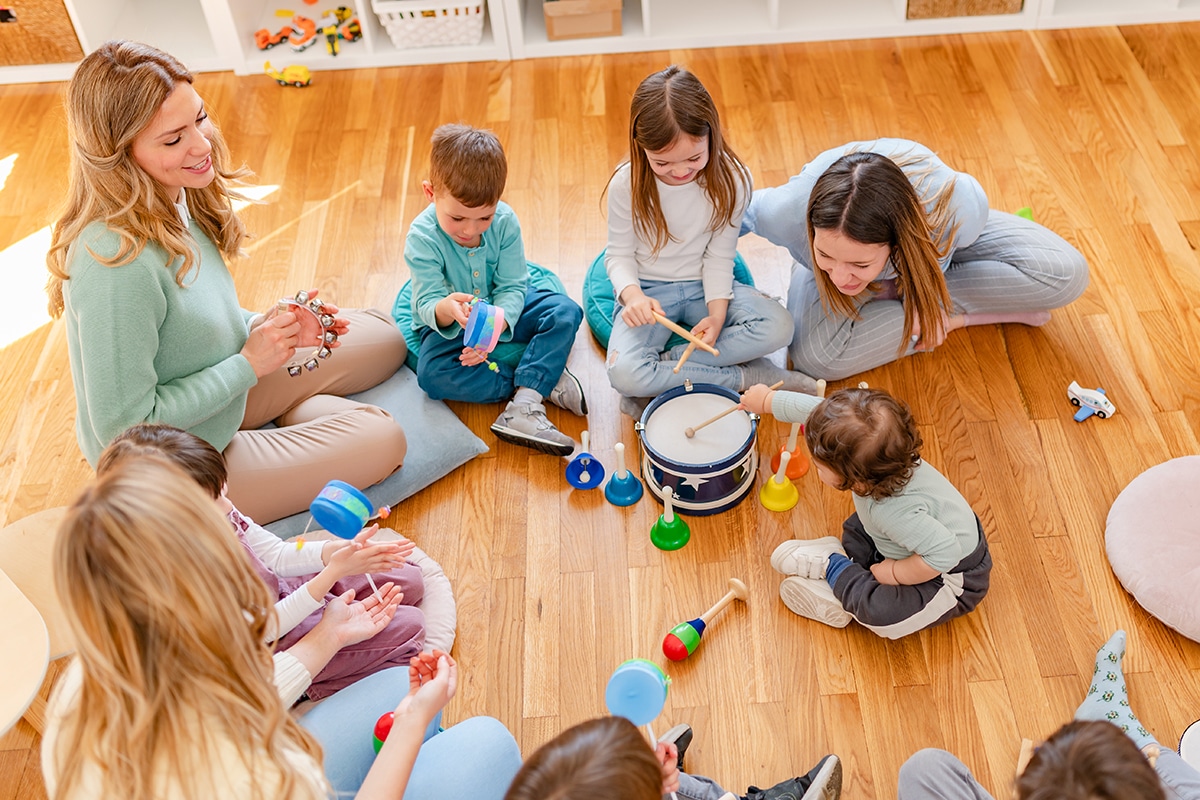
{"points": [[666, 104], [113, 95], [869, 198], [169, 622]]}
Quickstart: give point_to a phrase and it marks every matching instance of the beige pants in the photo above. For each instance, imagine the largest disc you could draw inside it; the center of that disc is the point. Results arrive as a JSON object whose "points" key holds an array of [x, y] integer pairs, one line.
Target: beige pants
{"points": [[321, 435]]}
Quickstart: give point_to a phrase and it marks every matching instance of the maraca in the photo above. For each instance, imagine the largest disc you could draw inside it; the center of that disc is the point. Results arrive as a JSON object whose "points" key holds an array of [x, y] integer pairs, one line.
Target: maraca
{"points": [[684, 638]]}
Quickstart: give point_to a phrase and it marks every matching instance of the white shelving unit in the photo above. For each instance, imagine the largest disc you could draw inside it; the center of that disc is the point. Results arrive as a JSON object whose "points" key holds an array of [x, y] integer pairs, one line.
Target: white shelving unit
{"points": [[219, 34]]}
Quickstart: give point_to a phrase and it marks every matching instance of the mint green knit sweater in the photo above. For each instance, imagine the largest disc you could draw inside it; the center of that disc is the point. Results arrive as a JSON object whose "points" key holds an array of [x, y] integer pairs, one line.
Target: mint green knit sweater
{"points": [[144, 349]]}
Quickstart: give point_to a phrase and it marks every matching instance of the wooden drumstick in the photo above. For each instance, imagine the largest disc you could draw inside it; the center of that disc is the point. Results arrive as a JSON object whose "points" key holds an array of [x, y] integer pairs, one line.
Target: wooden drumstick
{"points": [[691, 348], [685, 333], [690, 432]]}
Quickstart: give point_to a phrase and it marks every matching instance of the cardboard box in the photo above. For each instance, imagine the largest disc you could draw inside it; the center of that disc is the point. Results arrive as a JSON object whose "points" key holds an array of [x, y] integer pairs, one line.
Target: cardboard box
{"points": [[930, 9], [579, 19]]}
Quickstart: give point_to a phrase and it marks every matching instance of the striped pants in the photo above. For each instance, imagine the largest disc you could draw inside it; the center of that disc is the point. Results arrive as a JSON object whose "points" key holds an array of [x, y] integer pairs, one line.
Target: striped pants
{"points": [[895, 611], [1015, 265]]}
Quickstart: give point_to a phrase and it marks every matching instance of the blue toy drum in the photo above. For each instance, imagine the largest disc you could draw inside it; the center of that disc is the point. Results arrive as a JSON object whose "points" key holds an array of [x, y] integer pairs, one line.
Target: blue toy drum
{"points": [[710, 472]]}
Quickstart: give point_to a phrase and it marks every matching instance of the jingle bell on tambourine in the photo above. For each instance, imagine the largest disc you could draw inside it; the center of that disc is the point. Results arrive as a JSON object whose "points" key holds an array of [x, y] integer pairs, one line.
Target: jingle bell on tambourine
{"points": [[313, 318]]}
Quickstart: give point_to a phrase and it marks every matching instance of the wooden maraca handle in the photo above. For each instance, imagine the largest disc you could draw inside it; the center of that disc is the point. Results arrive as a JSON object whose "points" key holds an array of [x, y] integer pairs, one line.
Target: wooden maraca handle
{"points": [[737, 591]]}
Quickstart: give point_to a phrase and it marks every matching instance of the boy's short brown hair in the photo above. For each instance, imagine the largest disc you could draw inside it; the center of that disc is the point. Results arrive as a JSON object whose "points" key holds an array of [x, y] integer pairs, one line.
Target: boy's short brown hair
{"points": [[468, 164], [868, 438]]}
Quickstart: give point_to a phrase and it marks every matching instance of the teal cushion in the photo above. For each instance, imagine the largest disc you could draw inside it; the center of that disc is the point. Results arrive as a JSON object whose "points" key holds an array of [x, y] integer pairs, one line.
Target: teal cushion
{"points": [[599, 303], [438, 443], [508, 353]]}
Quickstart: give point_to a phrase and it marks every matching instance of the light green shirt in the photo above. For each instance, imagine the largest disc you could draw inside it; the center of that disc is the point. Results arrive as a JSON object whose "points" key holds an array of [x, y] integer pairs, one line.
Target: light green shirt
{"points": [[144, 349]]}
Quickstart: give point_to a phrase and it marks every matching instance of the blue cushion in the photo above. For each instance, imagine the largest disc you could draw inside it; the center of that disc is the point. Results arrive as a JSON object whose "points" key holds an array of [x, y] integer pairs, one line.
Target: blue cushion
{"points": [[599, 303], [438, 442], [508, 353]]}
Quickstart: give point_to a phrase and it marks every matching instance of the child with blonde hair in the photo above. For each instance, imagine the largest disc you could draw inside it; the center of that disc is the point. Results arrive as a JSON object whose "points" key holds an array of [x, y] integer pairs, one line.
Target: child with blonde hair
{"points": [[913, 553], [674, 212]]}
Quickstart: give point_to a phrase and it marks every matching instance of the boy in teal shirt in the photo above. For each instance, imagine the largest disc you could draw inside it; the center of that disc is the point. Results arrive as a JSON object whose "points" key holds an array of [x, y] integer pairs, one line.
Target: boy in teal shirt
{"points": [[467, 245]]}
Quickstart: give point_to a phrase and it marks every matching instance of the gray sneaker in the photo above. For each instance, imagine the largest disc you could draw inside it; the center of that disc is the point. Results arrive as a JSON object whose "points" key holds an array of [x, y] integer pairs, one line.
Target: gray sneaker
{"points": [[527, 425], [764, 371], [568, 394]]}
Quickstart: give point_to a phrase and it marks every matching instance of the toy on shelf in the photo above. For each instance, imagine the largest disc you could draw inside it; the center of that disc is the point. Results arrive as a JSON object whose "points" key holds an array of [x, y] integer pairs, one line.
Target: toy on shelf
{"points": [[684, 638], [383, 726], [669, 531], [338, 24], [779, 493], [798, 465], [265, 38], [310, 313], [1090, 402], [637, 691], [584, 471], [623, 488], [344, 511], [291, 75], [482, 331]]}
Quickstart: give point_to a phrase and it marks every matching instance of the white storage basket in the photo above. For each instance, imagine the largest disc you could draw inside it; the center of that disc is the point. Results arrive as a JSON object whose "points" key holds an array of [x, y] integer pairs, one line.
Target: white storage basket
{"points": [[417, 23]]}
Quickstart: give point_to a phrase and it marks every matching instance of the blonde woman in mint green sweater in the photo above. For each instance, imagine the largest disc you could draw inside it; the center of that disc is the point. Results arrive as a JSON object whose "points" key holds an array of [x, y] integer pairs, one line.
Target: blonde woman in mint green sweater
{"points": [[154, 328]]}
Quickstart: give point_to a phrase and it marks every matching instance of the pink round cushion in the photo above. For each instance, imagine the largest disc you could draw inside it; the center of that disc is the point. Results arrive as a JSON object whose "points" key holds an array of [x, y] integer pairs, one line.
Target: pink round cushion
{"points": [[1153, 542]]}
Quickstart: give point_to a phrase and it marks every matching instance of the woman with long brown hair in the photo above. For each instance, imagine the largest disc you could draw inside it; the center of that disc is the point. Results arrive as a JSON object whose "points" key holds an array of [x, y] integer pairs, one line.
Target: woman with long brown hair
{"points": [[894, 250]]}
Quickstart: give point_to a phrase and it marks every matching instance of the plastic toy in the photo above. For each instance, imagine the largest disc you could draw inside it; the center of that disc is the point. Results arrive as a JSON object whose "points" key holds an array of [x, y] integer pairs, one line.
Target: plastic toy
{"points": [[669, 532], [623, 488], [1090, 402], [304, 33], [344, 511], [383, 726], [482, 331], [779, 493], [584, 471], [265, 39], [291, 75], [798, 465], [323, 347], [338, 24], [637, 691], [684, 638]]}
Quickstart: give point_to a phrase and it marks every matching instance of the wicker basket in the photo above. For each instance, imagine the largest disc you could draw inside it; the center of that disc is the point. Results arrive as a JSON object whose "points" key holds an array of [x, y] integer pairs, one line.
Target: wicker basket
{"points": [[417, 23]]}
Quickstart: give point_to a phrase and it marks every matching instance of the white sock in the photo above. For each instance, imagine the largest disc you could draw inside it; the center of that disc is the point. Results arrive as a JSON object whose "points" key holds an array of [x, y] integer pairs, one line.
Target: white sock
{"points": [[526, 397]]}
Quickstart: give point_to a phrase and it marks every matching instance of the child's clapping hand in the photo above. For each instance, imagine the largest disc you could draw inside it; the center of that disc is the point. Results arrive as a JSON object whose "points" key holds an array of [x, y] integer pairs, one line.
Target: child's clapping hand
{"points": [[359, 555]]}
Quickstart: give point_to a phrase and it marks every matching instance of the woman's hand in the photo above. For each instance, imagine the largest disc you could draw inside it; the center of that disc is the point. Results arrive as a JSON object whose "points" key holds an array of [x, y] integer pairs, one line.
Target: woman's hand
{"points": [[668, 758], [359, 555], [923, 342], [639, 309], [272, 343]]}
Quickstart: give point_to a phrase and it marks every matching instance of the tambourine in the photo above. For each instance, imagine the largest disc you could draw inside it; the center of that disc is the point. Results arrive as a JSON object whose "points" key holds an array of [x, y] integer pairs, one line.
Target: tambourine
{"points": [[310, 311]]}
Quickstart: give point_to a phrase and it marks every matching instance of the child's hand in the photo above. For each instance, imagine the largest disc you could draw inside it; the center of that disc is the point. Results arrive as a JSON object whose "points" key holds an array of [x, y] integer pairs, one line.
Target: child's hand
{"points": [[668, 757], [708, 329], [454, 307], [350, 622], [758, 399], [359, 555], [639, 309], [472, 357]]}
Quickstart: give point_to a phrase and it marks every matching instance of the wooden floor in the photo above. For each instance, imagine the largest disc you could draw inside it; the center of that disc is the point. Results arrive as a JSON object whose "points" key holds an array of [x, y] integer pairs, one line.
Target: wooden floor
{"points": [[1098, 130]]}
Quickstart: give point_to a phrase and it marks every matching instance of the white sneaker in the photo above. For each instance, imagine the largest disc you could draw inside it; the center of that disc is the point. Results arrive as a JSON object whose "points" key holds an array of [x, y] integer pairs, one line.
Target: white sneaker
{"points": [[813, 598], [527, 425], [568, 394], [807, 558]]}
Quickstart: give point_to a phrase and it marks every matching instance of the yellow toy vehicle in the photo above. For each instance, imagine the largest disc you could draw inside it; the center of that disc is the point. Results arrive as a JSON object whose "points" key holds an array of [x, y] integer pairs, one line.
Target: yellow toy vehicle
{"points": [[293, 75]]}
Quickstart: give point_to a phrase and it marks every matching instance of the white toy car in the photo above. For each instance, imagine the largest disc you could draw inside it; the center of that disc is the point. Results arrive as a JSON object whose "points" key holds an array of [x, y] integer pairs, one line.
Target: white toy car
{"points": [[1090, 401]]}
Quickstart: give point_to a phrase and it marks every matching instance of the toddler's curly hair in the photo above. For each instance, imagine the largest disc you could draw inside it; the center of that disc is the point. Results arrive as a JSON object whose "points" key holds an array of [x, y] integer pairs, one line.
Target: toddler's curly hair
{"points": [[868, 438]]}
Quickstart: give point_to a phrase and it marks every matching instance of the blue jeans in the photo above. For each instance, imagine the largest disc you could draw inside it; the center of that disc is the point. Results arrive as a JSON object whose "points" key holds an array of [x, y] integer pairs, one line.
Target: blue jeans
{"points": [[755, 325], [547, 327], [476, 758]]}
